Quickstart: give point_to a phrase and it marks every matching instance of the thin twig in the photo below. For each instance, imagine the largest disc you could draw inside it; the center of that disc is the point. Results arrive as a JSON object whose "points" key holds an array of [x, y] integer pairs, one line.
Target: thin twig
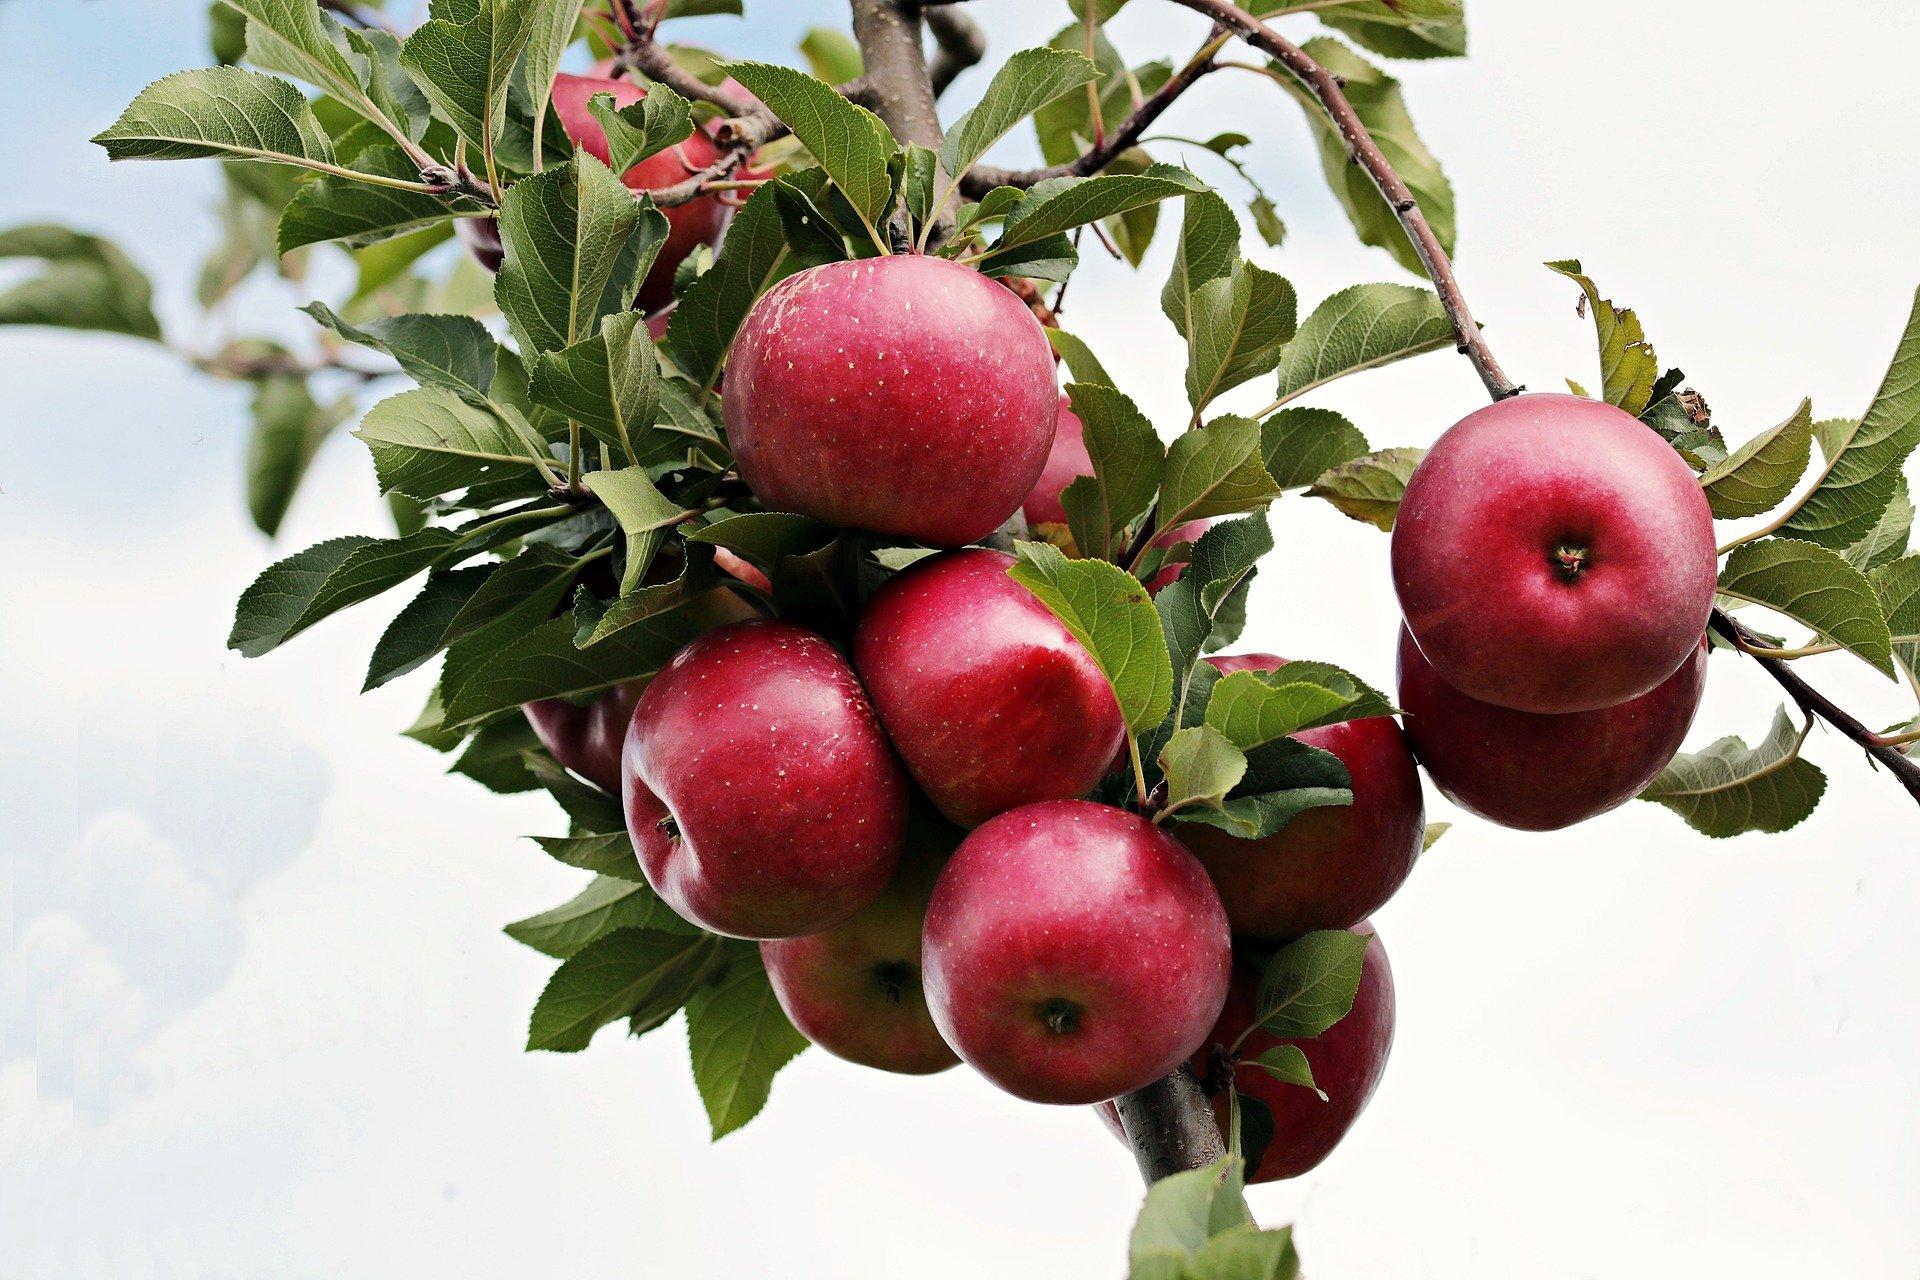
{"points": [[958, 43]]}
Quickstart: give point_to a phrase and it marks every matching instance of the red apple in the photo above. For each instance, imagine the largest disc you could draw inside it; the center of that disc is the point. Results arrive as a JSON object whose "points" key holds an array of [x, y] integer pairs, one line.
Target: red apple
{"points": [[739, 567], [990, 700], [1347, 1060], [1328, 868], [1170, 570], [760, 793], [482, 238], [1074, 952], [1554, 554], [586, 739], [855, 989], [1539, 772], [905, 395]]}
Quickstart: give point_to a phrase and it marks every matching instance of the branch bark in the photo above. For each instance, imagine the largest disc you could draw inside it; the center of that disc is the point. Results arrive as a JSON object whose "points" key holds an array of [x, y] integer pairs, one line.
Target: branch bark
{"points": [[897, 76], [1170, 1126], [958, 41]]}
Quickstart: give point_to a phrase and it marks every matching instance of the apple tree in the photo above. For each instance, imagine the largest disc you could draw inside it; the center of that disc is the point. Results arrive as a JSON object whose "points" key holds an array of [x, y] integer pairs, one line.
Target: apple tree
{"points": [[881, 684]]}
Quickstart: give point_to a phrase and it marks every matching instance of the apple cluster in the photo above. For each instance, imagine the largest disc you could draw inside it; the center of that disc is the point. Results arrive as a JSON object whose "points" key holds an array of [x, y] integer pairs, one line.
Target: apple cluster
{"points": [[903, 825]]}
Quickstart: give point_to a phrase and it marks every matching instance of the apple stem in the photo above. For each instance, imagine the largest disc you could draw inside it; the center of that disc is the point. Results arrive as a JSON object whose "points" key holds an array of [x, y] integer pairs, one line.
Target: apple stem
{"points": [[1170, 1126]]}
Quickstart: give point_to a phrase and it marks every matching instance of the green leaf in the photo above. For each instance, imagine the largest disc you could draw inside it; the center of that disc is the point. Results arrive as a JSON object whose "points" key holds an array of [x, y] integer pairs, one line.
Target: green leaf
{"points": [[1433, 833], [294, 38], [591, 810], [550, 26], [1865, 459], [1310, 983], [1360, 328], [849, 141], [430, 442], [1113, 617], [1127, 462], [293, 594], [606, 904], [710, 312], [362, 213], [1236, 327], [1191, 606], [1815, 587], [1287, 1064], [609, 384], [1284, 779], [608, 854], [464, 67], [1182, 1212], [496, 756], [421, 629], [1061, 204], [1369, 487], [645, 514], [831, 55], [1248, 1253], [226, 33], [644, 128], [221, 112], [1082, 364], [577, 243], [1209, 246], [1027, 81], [1730, 788], [1256, 707], [454, 352], [483, 679], [624, 973], [739, 1038], [1201, 766], [1053, 258], [288, 428], [1628, 365], [1897, 584], [1758, 476], [1215, 470], [1300, 445], [87, 283], [1888, 539], [1376, 99]]}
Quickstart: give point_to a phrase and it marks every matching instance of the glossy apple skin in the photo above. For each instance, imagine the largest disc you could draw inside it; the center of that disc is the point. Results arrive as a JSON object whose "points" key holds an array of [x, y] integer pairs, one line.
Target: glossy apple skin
{"points": [[787, 807], [1347, 1060], [1539, 772], [990, 701], [1074, 952], [1478, 545], [855, 990], [690, 225], [588, 739], [1328, 868], [905, 395]]}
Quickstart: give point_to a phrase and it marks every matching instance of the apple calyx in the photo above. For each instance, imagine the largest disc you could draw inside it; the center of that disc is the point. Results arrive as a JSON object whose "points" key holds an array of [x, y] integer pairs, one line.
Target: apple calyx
{"points": [[1062, 1016], [1569, 559]]}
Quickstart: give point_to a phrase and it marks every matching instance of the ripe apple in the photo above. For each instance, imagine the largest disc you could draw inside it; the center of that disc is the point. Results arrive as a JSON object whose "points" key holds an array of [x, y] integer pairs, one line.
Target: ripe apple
{"points": [[586, 739], [1171, 570], [855, 989], [990, 700], [905, 395], [760, 793], [1347, 1060], [1074, 952], [699, 221], [1539, 772], [1554, 554], [1328, 868]]}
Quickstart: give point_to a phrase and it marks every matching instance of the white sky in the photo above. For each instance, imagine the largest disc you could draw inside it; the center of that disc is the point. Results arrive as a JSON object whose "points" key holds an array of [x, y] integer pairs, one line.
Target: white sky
{"points": [[256, 1014]]}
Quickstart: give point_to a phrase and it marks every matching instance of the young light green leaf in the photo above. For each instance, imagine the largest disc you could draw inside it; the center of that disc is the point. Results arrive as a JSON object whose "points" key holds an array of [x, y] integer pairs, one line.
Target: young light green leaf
{"points": [[1758, 476], [1182, 1212], [713, 306], [1376, 98], [1113, 617], [609, 384], [1362, 328], [1369, 487], [454, 352], [1127, 461], [1730, 788], [1215, 470], [1300, 445], [360, 213], [1256, 707], [220, 112], [288, 428], [1628, 366], [849, 141], [293, 594], [1433, 833], [464, 67], [739, 1038], [644, 128], [1285, 778], [1864, 459], [1026, 82], [1248, 1253], [645, 514], [832, 56], [1288, 1064], [1235, 331], [1310, 983], [606, 904], [1201, 766], [1061, 204], [430, 442], [576, 246], [87, 283], [1813, 586], [624, 973]]}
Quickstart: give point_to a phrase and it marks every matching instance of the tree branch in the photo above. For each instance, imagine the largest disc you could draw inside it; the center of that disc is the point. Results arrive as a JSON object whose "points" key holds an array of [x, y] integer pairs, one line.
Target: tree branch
{"points": [[1170, 1126], [897, 77], [958, 41], [1128, 132]]}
